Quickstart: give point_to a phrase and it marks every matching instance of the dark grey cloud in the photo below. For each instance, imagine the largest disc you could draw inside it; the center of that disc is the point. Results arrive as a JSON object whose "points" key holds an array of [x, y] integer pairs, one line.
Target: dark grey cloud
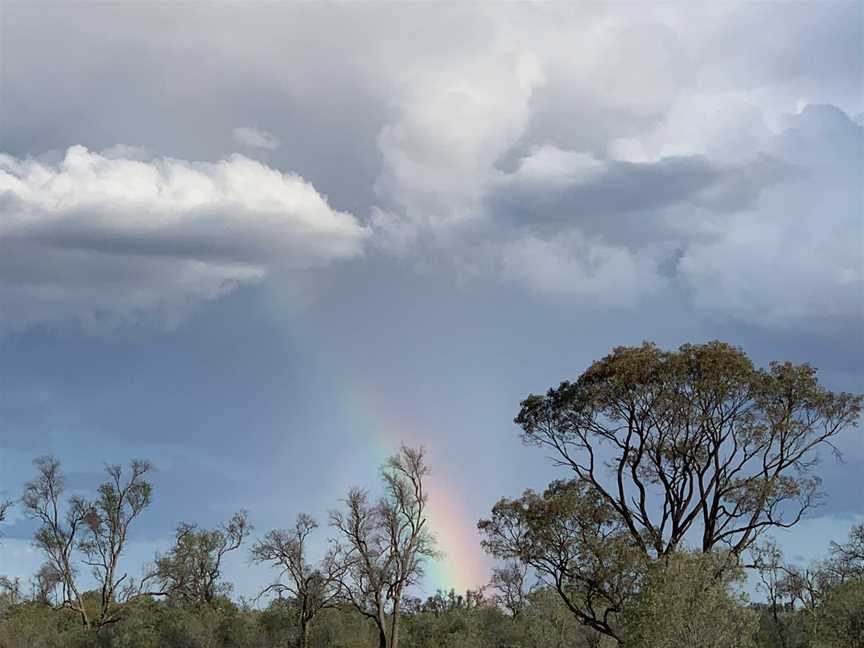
{"points": [[616, 189]]}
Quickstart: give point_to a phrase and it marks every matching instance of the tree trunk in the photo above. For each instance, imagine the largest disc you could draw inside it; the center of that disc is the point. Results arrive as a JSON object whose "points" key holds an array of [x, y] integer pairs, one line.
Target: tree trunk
{"points": [[381, 622], [394, 623], [82, 612], [303, 636]]}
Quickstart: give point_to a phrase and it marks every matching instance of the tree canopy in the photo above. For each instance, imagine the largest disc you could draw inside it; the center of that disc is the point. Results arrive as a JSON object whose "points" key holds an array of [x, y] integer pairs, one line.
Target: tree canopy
{"points": [[697, 439]]}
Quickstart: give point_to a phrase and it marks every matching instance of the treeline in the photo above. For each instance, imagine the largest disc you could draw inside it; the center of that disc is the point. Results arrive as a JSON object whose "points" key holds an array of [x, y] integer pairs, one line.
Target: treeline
{"points": [[679, 464]]}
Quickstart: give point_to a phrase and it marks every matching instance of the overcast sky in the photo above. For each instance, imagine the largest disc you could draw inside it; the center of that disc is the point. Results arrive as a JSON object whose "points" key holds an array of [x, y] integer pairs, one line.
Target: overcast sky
{"points": [[262, 244]]}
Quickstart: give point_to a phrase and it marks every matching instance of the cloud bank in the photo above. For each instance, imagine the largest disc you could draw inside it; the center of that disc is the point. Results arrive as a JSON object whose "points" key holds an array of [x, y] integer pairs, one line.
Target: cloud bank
{"points": [[589, 153], [100, 238], [634, 158]]}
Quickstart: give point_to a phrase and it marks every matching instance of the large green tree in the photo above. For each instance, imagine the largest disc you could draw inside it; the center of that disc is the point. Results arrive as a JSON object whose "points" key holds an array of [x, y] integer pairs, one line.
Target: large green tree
{"points": [[666, 448], [697, 440]]}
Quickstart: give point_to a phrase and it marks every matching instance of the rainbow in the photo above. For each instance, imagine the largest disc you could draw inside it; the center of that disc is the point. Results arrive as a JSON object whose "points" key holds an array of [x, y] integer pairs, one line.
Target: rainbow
{"points": [[463, 564]]}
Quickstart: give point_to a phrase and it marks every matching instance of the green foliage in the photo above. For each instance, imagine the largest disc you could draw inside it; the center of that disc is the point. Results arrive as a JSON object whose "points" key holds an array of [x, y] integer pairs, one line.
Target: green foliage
{"points": [[688, 602], [841, 616], [36, 626], [444, 621], [573, 539], [718, 442], [190, 572]]}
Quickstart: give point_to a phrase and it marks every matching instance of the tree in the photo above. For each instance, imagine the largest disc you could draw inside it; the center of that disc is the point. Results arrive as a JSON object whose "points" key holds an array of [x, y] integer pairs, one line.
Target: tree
{"points": [[106, 528], [313, 587], [780, 599], [92, 533], [687, 601], [848, 558], [10, 592], [547, 623], [191, 571], [57, 537], [842, 616], [384, 544], [576, 544], [810, 604], [508, 582], [697, 439], [44, 585]]}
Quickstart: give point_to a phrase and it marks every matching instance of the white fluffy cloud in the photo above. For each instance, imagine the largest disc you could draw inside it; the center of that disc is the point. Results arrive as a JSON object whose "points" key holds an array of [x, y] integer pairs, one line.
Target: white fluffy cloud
{"points": [[101, 237]]}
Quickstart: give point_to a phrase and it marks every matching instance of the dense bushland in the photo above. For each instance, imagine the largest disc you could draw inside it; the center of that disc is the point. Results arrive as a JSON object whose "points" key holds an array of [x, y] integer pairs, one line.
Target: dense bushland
{"points": [[678, 464]]}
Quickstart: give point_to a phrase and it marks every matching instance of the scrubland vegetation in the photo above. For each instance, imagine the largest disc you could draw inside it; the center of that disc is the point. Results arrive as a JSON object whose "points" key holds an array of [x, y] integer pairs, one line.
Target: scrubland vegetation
{"points": [[677, 466]]}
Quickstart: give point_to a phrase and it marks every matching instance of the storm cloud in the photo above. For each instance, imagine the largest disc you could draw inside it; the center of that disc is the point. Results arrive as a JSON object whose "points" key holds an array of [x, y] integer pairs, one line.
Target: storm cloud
{"points": [[244, 239], [472, 140]]}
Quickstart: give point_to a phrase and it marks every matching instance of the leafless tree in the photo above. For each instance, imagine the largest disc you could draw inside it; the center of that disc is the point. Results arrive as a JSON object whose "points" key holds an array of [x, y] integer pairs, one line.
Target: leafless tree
{"points": [[365, 560], [58, 535], [190, 572], [385, 544], [769, 564], [92, 533], [312, 587]]}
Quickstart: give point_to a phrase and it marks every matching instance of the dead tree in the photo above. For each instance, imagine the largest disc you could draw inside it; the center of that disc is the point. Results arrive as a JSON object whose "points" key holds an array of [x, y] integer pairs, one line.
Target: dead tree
{"points": [[383, 546], [312, 588]]}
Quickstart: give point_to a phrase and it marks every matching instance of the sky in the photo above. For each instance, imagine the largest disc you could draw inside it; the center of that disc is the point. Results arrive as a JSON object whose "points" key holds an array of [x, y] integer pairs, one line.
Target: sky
{"points": [[261, 245]]}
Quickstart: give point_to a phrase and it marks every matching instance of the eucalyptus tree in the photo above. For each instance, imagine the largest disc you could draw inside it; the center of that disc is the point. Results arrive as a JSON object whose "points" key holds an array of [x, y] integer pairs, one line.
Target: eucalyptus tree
{"points": [[575, 544], [848, 557], [699, 440], [190, 573], [802, 601], [691, 599], [696, 446]]}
